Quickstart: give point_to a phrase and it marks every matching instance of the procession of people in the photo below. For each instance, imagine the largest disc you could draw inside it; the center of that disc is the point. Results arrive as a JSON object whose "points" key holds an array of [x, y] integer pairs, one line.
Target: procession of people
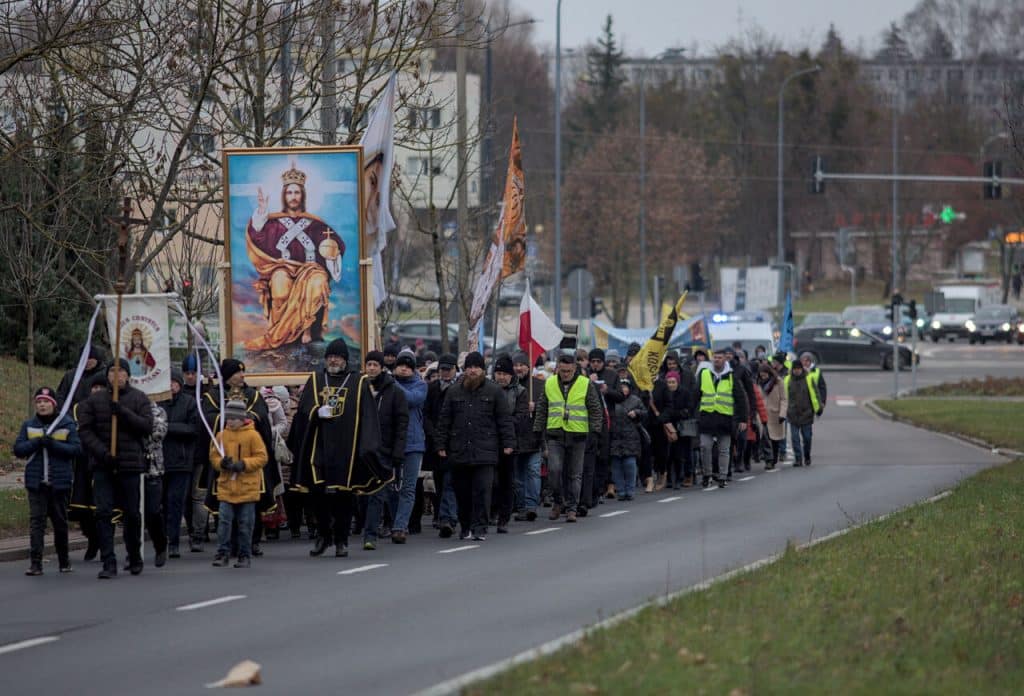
{"points": [[408, 442]]}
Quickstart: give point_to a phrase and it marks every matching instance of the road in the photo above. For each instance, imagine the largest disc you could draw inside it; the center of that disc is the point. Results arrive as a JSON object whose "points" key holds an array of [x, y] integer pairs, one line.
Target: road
{"points": [[412, 616]]}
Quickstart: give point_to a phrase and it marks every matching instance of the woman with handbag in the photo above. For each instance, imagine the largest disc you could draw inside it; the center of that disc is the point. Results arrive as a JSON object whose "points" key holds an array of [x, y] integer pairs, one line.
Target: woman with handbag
{"points": [[674, 407], [627, 437], [776, 403]]}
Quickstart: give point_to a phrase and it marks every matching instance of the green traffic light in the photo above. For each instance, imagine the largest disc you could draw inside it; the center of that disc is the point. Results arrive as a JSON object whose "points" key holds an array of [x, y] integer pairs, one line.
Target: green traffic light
{"points": [[947, 215]]}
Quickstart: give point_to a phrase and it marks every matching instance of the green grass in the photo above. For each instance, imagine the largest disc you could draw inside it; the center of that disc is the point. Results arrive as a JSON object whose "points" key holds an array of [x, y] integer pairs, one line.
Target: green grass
{"points": [[14, 404], [995, 422], [13, 512], [835, 296], [930, 600], [989, 386]]}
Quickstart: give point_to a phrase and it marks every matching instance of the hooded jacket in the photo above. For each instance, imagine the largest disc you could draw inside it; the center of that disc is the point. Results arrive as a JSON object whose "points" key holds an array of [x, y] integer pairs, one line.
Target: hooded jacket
{"points": [[626, 440], [49, 459], [415, 390], [801, 409], [393, 414], [244, 444], [134, 424]]}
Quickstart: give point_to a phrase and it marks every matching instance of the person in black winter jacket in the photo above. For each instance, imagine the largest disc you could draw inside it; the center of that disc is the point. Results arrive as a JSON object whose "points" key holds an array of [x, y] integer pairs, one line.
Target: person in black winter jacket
{"points": [[519, 406], [723, 408], [674, 399], [445, 513], [475, 428], [115, 477], [597, 463], [528, 454], [49, 446], [393, 415], [179, 456]]}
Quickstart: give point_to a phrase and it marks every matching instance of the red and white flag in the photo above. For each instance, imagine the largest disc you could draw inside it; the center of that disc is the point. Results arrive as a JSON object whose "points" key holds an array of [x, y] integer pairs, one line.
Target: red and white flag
{"points": [[537, 333]]}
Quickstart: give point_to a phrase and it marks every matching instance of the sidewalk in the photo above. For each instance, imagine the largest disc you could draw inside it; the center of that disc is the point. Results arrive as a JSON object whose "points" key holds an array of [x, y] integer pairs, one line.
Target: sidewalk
{"points": [[16, 548]]}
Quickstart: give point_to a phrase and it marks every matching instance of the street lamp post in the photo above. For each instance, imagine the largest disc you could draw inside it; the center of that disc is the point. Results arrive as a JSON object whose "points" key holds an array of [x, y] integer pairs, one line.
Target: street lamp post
{"points": [[780, 249], [558, 162]]}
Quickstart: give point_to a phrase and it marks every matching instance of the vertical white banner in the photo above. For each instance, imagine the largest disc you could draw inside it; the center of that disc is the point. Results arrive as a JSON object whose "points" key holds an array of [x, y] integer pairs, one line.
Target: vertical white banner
{"points": [[145, 341]]}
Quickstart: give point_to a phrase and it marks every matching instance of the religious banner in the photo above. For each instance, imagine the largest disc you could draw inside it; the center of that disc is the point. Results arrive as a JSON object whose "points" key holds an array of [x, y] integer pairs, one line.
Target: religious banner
{"points": [[293, 241], [145, 341]]}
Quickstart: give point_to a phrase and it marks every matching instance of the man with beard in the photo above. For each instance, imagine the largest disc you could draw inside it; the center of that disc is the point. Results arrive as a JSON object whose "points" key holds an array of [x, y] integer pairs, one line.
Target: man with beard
{"points": [[232, 374], [597, 472], [335, 437], [475, 426], [82, 508]]}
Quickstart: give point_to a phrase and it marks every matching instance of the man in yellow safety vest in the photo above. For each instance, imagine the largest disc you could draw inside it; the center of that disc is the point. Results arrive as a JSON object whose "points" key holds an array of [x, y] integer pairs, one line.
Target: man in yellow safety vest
{"points": [[723, 409], [569, 413]]}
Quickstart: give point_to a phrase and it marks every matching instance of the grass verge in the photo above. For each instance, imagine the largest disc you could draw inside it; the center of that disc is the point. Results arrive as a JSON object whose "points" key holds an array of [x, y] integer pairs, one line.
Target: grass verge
{"points": [[988, 386], [995, 422], [930, 600], [14, 405], [13, 512]]}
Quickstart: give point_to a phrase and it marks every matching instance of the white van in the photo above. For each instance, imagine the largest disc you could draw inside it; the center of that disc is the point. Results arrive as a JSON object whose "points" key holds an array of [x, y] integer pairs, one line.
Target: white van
{"points": [[750, 334], [960, 303]]}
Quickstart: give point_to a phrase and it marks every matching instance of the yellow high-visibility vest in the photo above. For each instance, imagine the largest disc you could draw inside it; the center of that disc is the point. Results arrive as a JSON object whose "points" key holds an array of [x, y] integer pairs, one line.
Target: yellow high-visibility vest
{"points": [[716, 399], [568, 415]]}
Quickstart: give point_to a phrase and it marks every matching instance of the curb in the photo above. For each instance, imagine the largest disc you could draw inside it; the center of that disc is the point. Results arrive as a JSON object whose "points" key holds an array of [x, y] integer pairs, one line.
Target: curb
{"points": [[20, 552], [880, 412]]}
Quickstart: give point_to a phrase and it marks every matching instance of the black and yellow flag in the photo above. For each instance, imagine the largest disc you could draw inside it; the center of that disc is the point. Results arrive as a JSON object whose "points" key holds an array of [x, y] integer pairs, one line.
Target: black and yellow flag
{"points": [[644, 365]]}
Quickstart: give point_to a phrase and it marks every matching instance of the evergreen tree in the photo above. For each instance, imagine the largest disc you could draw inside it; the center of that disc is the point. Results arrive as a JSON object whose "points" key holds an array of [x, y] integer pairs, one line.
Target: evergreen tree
{"points": [[894, 46]]}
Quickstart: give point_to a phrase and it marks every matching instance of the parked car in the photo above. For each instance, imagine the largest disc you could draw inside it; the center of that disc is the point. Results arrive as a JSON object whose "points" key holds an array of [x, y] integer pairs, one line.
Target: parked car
{"points": [[996, 322], [820, 319], [849, 345]]}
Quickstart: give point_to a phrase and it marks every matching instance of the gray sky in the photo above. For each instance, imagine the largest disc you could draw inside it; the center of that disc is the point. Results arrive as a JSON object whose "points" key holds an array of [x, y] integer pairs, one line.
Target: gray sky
{"points": [[646, 27]]}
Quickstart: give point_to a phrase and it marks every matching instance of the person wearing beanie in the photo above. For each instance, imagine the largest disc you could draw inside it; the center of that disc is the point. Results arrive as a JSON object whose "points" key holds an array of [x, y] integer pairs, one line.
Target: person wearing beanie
{"points": [[179, 456], [239, 456], [390, 356], [612, 359], [115, 478], [445, 514], [569, 415], [474, 430], [234, 388], [528, 454], [597, 476], [393, 419], [672, 452], [519, 406], [94, 365], [404, 495], [335, 440], [49, 445], [626, 439]]}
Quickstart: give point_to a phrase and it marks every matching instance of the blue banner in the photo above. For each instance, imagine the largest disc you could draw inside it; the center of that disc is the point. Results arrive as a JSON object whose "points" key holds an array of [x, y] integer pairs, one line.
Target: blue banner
{"points": [[786, 337]]}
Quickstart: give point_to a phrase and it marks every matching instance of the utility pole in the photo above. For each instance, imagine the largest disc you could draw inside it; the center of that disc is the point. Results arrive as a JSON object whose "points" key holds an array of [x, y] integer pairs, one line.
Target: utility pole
{"points": [[462, 192], [780, 250], [558, 163], [643, 196], [328, 75], [895, 249]]}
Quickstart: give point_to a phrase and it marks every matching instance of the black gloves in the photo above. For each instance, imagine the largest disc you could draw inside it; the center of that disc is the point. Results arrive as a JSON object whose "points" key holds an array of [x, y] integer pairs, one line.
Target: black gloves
{"points": [[115, 408], [232, 465], [45, 441], [782, 421], [820, 411]]}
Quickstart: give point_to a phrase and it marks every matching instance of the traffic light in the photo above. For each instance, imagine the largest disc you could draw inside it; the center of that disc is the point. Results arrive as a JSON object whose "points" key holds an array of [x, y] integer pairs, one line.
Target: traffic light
{"points": [[595, 306], [993, 170], [817, 167], [696, 278], [186, 287], [892, 312]]}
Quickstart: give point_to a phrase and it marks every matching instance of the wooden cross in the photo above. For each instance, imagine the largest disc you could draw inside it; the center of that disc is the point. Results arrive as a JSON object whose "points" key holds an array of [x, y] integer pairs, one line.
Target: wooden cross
{"points": [[120, 285]]}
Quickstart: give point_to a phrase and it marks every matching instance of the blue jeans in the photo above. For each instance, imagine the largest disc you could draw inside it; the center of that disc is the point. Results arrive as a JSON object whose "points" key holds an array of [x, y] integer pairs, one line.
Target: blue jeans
{"points": [[449, 510], [801, 450], [246, 515], [624, 474], [527, 481], [177, 487], [400, 502]]}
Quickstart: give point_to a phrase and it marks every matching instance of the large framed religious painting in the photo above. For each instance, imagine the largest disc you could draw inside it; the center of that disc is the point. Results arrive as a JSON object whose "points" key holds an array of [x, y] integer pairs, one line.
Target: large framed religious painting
{"points": [[293, 241]]}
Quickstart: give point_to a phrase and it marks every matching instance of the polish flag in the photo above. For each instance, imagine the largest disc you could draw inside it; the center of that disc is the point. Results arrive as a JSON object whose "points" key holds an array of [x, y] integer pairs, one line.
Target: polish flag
{"points": [[537, 333]]}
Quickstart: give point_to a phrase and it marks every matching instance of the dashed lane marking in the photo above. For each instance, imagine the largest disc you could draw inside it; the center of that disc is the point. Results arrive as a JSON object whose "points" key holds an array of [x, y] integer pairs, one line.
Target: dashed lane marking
{"points": [[747, 478], [211, 602], [671, 499], [710, 488], [616, 513], [30, 643], [543, 531], [845, 401], [461, 548], [362, 569]]}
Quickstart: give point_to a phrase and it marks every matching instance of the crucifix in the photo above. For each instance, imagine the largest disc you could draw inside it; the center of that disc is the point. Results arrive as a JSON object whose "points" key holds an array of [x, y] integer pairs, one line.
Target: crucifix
{"points": [[120, 285]]}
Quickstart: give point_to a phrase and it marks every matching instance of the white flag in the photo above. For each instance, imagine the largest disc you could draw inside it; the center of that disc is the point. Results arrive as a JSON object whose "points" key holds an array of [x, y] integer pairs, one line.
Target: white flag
{"points": [[378, 161], [145, 341]]}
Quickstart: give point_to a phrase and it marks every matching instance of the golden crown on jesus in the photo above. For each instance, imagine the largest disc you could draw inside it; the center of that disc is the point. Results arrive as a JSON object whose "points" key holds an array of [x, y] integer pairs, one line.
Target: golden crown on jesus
{"points": [[294, 176]]}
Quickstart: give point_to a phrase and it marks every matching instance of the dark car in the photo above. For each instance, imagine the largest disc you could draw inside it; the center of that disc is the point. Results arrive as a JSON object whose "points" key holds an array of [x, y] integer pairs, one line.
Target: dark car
{"points": [[997, 322], [849, 345]]}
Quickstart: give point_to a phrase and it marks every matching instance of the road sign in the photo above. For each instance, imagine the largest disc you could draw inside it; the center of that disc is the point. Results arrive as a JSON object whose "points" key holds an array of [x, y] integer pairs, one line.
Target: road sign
{"points": [[581, 289]]}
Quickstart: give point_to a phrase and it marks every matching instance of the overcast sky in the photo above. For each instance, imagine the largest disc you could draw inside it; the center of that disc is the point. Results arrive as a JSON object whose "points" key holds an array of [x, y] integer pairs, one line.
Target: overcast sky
{"points": [[647, 27]]}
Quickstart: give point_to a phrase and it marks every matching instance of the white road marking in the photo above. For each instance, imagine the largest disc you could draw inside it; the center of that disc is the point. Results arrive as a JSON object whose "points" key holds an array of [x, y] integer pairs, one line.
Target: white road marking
{"points": [[616, 513], [772, 471], [30, 643], [747, 478], [461, 548], [671, 499], [711, 488], [543, 531], [845, 401], [362, 569], [211, 602]]}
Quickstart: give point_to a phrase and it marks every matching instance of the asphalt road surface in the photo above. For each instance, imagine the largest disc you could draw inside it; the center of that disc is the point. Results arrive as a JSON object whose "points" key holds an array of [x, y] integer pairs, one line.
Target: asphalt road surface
{"points": [[400, 619]]}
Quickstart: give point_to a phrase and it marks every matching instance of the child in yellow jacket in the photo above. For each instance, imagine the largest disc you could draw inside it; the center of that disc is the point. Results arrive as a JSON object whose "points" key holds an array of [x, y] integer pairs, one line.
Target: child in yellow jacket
{"points": [[239, 483]]}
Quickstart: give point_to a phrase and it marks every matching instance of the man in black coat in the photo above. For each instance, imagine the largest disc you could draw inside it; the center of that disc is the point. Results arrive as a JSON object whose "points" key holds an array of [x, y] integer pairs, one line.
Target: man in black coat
{"points": [[474, 429], [519, 406], [597, 472], [179, 456], [528, 454], [115, 477], [393, 416], [445, 511]]}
